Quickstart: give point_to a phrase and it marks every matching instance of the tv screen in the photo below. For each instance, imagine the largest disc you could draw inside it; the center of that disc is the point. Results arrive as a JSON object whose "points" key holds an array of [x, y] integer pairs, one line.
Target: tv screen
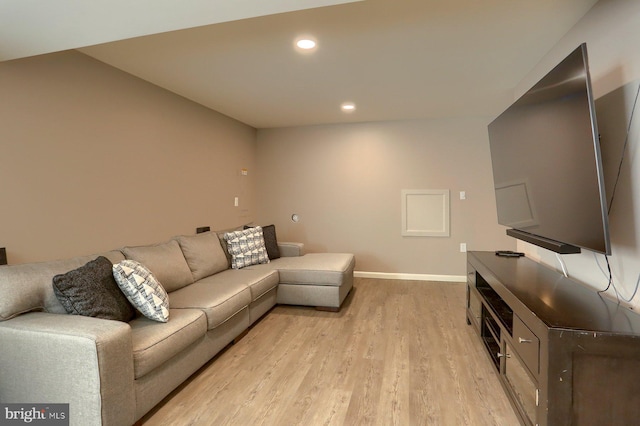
{"points": [[546, 161]]}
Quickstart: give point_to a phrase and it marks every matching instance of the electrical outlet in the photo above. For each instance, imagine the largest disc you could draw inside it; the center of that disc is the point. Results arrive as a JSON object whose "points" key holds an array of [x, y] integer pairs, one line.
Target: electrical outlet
{"points": [[463, 247], [463, 195]]}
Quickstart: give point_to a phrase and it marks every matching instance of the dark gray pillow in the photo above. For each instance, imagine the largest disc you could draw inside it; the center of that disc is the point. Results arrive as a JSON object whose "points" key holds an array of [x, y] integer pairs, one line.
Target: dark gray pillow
{"points": [[270, 241], [92, 291]]}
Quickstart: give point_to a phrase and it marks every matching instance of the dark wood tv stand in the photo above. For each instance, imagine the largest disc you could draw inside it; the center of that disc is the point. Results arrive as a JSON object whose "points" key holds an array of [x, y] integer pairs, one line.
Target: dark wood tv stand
{"points": [[564, 354]]}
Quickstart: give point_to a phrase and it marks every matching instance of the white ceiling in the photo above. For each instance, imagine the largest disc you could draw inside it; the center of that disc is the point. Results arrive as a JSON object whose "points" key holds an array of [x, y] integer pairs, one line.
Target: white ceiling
{"points": [[396, 59], [32, 27]]}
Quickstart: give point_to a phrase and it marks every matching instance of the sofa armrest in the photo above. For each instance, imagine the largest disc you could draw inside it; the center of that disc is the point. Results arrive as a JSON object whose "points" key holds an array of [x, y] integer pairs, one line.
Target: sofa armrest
{"points": [[83, 361], [291, 249]]}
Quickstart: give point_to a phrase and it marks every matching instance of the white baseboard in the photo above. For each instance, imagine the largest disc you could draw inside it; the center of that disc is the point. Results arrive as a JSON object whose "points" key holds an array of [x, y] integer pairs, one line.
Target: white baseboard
{"points": [[410, 277]]}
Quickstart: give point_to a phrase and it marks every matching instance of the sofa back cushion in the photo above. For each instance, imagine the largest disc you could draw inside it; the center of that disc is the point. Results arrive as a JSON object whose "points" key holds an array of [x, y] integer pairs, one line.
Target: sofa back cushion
{"points": [[29, 287], [165, 261], [204, 254]]}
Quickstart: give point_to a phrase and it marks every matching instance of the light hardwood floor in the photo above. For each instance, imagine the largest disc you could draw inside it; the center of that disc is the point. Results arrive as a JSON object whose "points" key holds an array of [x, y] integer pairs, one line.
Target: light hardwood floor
{"points": [[398, 353]]}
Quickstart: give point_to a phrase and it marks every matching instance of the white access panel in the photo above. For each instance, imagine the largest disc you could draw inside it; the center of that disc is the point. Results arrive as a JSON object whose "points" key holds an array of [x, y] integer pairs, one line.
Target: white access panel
{"points": [[425, 212]]}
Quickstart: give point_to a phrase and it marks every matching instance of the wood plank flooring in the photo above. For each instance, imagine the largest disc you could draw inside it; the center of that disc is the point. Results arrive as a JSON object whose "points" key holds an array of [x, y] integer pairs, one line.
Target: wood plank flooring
{"points": [[398, 353]]}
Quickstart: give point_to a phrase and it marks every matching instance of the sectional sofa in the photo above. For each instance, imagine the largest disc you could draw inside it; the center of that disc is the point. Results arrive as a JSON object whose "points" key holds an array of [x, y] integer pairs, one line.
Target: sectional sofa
{"points": [[112, 372]]}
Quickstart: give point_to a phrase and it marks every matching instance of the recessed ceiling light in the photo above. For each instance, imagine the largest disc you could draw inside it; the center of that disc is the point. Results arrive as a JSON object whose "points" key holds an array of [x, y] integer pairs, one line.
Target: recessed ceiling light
{"points": [[306, 43], [348, 107]]}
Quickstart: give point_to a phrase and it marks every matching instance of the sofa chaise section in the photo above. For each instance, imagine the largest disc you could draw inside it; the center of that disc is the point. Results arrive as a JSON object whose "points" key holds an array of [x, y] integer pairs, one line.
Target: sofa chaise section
{"points": [[322, 280]]}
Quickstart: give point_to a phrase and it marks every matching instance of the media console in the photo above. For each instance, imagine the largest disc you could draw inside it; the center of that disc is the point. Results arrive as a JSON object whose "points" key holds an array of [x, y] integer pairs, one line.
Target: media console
{"points": [[564, 354]]}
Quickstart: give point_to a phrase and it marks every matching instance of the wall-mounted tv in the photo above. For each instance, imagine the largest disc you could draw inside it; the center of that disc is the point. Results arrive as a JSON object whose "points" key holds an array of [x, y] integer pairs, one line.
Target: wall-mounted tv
{"points": [[546, 161]]}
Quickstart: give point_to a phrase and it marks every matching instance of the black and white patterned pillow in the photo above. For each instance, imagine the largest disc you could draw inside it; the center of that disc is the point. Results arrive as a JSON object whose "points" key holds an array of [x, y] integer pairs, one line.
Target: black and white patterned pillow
{"points": [[270, 241], [142, 289], [246, 247]]}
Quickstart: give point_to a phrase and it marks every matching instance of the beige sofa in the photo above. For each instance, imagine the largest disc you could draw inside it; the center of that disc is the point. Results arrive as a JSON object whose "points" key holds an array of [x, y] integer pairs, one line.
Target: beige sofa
{"points": [[113, 372]]}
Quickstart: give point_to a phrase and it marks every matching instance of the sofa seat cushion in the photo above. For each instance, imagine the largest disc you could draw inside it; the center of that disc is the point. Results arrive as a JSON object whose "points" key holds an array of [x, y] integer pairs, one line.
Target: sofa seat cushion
{"points": [[318, 269], [260, 281], [220, 296], [154, 342]]}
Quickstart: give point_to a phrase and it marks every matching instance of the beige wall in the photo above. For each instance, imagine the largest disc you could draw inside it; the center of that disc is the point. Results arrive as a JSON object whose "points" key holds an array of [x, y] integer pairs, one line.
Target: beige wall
{"points": [[92, 159], [345, 183], [611, 30]]}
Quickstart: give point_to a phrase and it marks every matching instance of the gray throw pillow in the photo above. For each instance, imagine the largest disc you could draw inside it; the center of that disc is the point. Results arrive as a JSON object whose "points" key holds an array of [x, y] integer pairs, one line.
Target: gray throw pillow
{"points": [[91, 290]]}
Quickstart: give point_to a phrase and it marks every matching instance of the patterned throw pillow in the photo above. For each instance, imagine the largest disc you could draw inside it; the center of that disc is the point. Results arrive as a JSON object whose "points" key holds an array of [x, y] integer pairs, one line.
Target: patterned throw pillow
{"points": [[246, 247], [142, 289], [270, 241]]}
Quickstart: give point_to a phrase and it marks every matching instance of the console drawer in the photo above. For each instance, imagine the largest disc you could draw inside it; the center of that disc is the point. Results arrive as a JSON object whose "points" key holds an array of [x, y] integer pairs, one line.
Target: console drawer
{"points": [[527, 345]]}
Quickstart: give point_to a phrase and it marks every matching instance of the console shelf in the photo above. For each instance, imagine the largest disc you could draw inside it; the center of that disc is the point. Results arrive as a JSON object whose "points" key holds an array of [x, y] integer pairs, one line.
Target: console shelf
{"points": [[564, 354]]}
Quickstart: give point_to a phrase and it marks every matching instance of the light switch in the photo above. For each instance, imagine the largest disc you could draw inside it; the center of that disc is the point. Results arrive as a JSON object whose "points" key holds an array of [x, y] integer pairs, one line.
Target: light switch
{"points": [[463, 195]]}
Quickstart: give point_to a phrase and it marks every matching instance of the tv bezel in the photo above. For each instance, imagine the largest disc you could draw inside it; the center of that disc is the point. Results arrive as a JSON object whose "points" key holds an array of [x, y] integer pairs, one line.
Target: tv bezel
{"points": [[543, 240]]}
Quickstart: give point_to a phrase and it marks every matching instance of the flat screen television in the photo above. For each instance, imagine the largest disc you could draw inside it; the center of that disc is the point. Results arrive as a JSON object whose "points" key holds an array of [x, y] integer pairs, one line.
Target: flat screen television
{"points": [[546, 161]]}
